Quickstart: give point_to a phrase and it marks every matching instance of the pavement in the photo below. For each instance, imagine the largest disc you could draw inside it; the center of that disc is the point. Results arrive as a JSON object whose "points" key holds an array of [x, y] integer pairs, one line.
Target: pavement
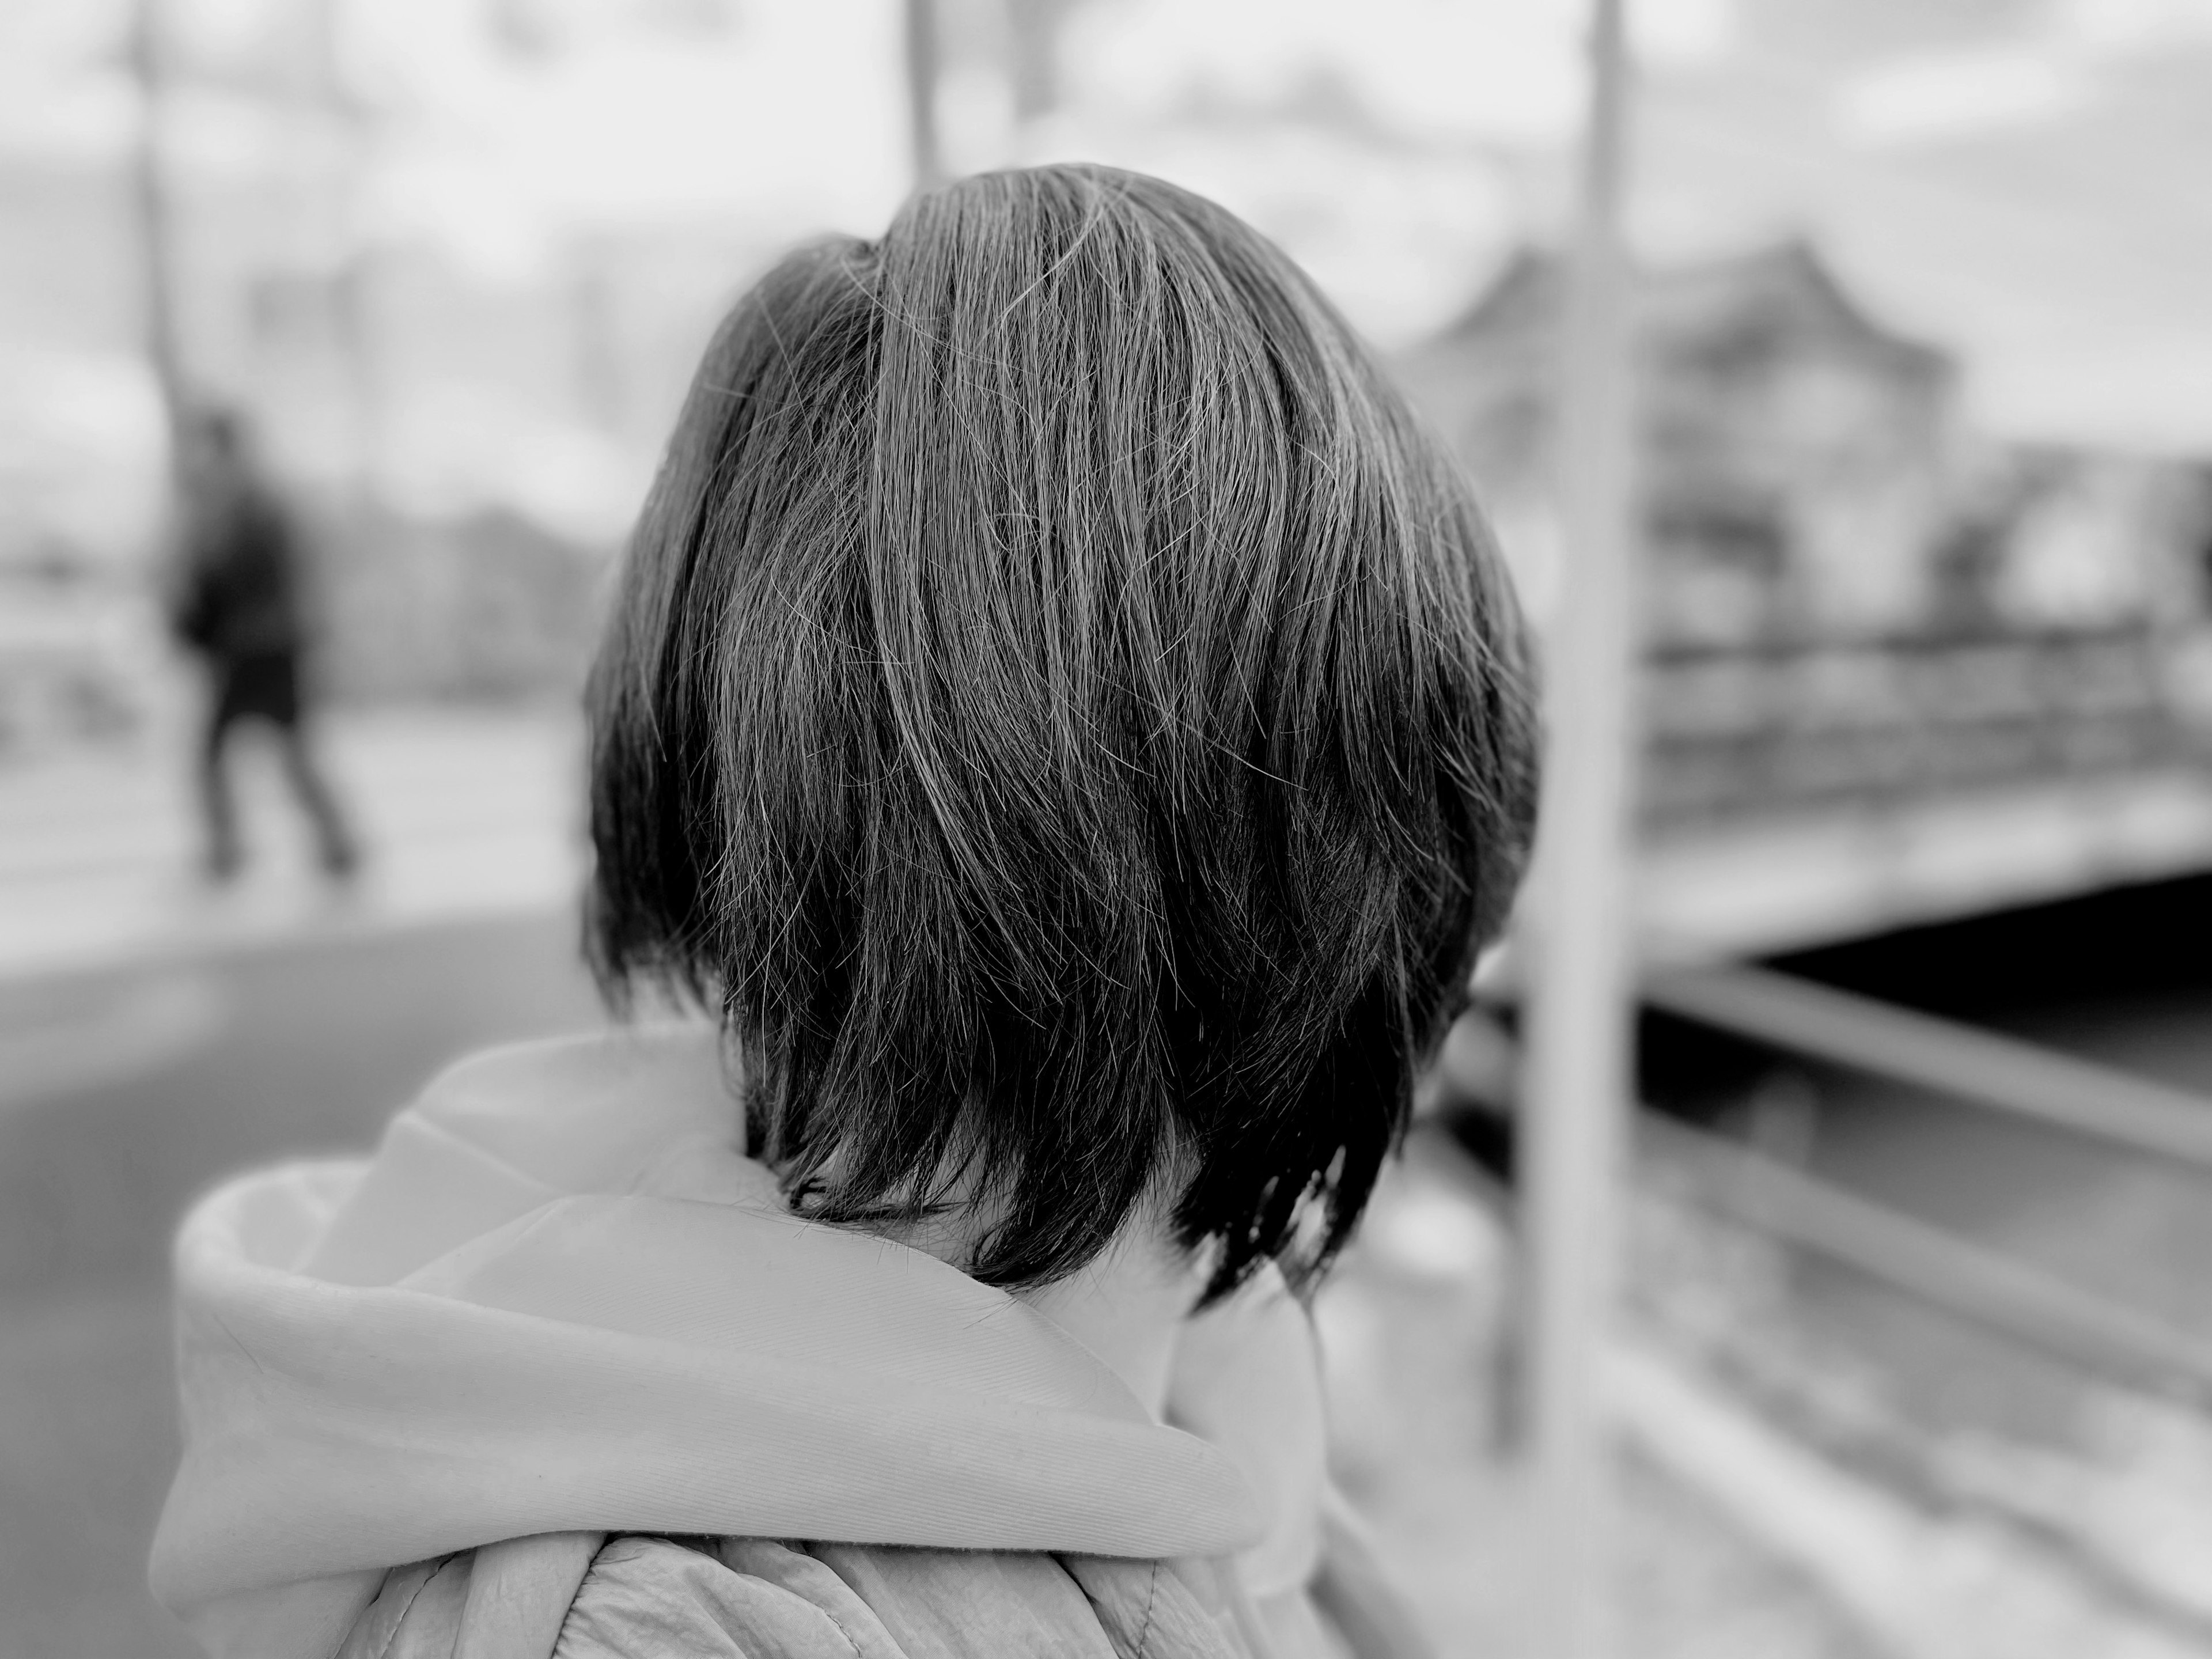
{"points": [[157, 1033], [459, 812], [297, 1045]]}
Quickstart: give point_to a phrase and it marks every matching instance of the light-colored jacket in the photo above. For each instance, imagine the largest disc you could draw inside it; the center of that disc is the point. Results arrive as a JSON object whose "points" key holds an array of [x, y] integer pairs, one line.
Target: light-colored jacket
{"points": [[493, 1387], [582, 1597]]}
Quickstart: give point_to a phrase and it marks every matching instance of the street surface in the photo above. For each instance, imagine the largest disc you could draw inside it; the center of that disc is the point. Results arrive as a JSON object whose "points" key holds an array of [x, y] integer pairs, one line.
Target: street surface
{"points": [[459, 812], [300, 1047], [155, 1035]]}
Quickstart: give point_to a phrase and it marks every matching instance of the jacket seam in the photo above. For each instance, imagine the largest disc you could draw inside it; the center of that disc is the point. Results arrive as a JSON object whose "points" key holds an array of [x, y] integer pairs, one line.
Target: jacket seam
{"points": [[577, 1593], [383, 1649], [841, 1630], [1152, 1595]]}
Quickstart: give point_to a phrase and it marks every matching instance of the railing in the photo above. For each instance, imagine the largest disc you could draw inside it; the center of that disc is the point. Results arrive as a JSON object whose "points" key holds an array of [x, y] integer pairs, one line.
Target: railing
{"points": [[1999, 1074], [1993, 1073], [1879, 724]]}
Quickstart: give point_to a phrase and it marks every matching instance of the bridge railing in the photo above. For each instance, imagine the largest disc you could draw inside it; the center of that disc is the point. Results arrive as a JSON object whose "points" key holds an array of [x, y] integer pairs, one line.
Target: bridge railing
{"points": [[1981, 1069], [1782, 726]]}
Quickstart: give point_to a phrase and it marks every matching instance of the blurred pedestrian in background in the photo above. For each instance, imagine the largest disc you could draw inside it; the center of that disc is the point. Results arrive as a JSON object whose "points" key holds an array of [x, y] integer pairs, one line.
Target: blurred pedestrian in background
{"points": [[238, 605]]}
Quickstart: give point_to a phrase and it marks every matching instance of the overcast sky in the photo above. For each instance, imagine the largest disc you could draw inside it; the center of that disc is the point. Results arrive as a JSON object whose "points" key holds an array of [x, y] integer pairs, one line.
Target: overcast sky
{"points": [[2018, 178]]}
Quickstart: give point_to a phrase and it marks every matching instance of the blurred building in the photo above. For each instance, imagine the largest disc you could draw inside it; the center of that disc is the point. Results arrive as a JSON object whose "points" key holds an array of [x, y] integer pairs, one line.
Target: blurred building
{"points": [[1796, 455], [1852, 596]]}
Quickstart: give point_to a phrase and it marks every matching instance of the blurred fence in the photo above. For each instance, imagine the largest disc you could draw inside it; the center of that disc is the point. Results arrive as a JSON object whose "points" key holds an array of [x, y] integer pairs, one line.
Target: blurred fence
{"points": [[1977, 1068], [1737, 732]]}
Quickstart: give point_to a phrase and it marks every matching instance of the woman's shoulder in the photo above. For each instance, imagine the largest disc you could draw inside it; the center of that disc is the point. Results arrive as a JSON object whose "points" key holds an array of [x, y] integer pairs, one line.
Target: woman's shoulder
{"points": [[590, 1596]]}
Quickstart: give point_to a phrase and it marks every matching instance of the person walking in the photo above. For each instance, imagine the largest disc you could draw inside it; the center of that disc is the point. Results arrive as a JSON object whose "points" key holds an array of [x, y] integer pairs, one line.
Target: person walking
{"points": [[239, 607]]}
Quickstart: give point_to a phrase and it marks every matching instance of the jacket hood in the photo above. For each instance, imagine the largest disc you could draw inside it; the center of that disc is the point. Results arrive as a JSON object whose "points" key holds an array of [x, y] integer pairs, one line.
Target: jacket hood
{"points": [[557, 1299]]}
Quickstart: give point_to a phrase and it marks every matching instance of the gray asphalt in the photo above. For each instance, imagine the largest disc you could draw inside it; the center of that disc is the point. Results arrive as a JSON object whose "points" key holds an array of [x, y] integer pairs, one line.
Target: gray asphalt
{"points": [[131, 1089]]}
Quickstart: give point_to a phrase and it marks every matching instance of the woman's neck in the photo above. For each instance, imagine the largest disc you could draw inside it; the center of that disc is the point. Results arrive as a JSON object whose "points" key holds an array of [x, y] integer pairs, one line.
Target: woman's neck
{"points": [[1127, 1307]]}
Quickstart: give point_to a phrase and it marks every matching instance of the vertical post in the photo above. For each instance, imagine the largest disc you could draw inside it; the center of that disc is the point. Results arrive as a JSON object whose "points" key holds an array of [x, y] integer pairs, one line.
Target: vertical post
{"points": [[149, 194], [335, 127], [1580, 1030], [922, 56], [1033, 32]]}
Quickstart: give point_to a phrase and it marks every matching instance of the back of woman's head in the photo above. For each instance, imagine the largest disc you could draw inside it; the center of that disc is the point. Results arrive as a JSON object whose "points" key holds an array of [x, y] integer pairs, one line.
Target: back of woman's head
{"points": [[1069, 720]]}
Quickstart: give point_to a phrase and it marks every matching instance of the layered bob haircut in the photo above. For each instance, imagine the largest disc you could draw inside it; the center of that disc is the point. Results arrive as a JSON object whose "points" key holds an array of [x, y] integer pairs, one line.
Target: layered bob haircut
{"points": [[1069, 720]]}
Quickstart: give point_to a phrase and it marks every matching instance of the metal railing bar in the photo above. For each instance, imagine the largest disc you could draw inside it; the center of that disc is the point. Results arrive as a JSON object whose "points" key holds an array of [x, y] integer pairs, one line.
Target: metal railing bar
{"points": [[1933, 1266], [2000, 1073]]}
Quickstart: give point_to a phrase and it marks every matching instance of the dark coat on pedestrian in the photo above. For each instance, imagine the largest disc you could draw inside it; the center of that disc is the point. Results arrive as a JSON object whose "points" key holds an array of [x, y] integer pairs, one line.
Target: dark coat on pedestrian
{"points": [[240, 594]]}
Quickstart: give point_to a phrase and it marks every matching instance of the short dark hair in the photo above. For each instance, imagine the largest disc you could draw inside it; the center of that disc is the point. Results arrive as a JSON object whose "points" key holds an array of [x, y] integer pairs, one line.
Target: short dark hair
{"points": [[1070, 720]]}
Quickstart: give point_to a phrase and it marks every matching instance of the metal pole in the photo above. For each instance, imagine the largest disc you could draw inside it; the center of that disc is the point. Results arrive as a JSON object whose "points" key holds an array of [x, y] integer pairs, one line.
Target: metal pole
{"points": [[150, 202], [921, 55], [1580, 1035], [337, 125]]}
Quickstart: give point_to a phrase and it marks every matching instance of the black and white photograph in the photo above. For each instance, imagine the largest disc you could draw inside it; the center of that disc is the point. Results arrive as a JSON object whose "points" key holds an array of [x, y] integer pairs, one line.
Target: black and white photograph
{"points": [[1105, 829]]}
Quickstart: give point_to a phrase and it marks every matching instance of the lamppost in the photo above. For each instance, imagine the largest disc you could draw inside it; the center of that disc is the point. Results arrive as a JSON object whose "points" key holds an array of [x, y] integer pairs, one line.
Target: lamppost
{"points": [[922, 74], [1582, 987], [150, 196]]}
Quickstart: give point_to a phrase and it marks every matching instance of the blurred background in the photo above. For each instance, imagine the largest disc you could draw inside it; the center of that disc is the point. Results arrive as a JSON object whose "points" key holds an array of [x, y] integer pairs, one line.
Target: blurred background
{"points": [[1916, 1344]]}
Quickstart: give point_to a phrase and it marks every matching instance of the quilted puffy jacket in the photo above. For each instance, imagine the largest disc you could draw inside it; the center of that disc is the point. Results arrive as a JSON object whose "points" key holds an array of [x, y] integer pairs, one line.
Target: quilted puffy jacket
{"points": [[583, 1597]]}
